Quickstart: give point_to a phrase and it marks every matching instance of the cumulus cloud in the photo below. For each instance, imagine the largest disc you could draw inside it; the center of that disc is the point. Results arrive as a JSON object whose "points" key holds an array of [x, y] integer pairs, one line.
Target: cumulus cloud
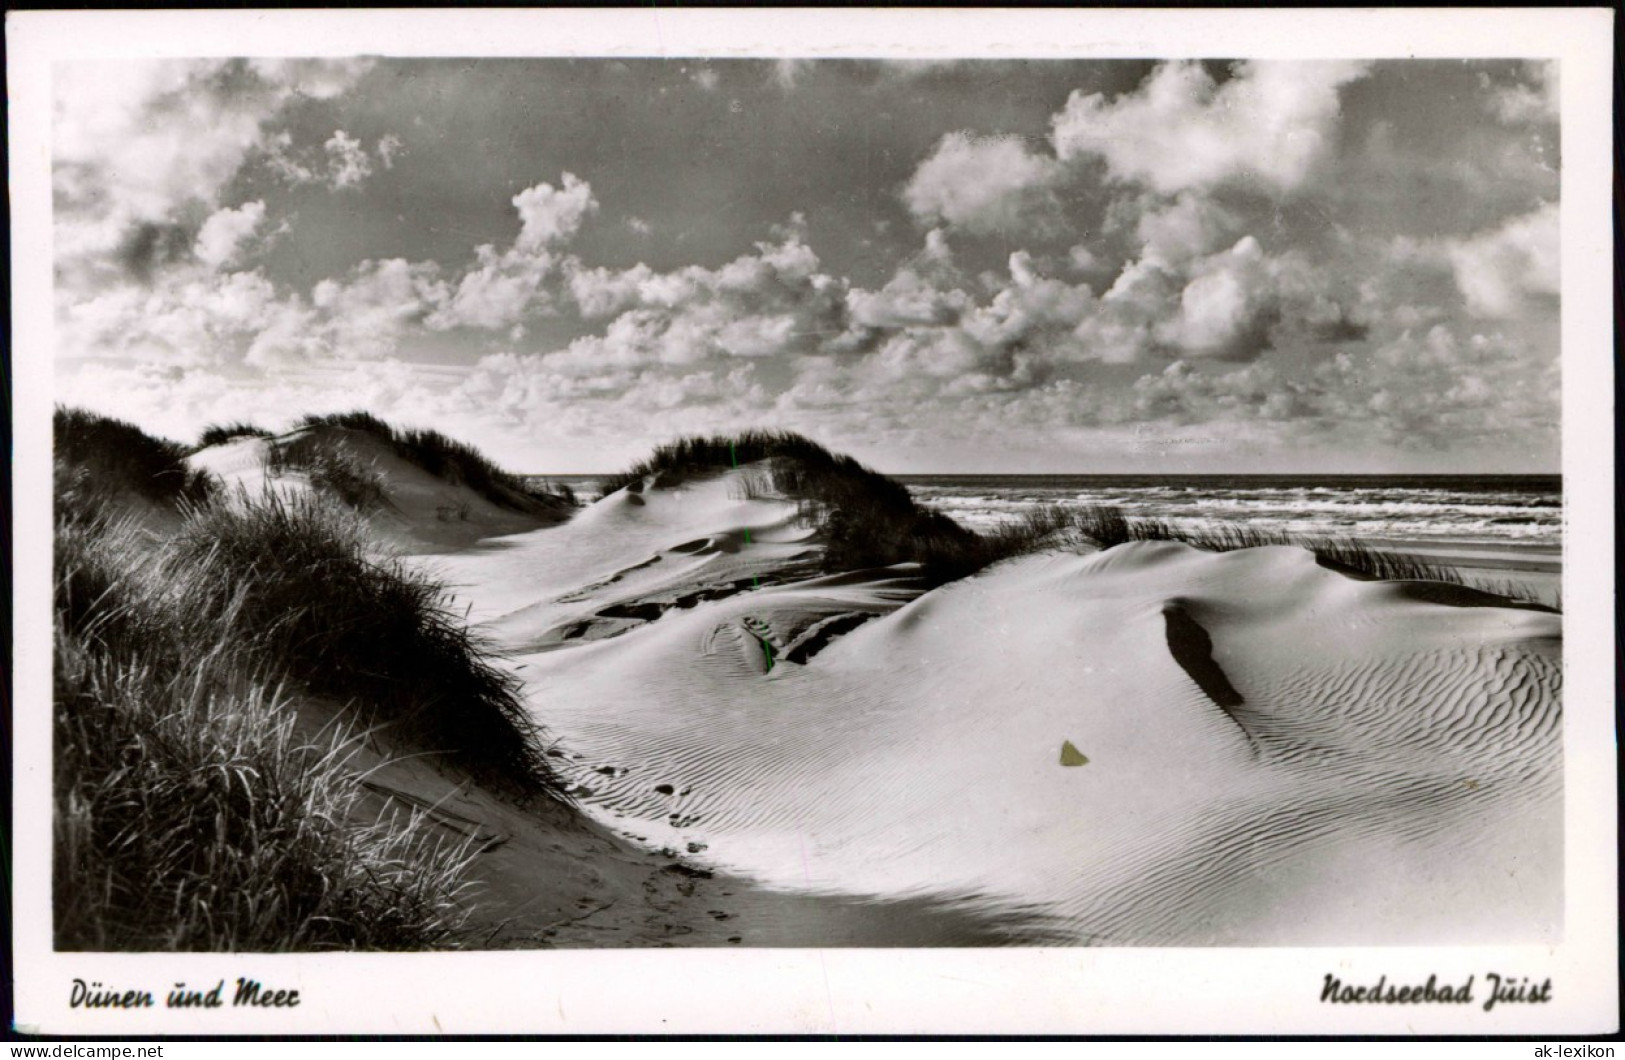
{"points": [[1445, 386], [984, 184], [1193, 282], [281, 160], [225, 233], [925, 290], [1172, 233], [1437, 388], [501, 287], [1267, 126], [135, 142], [1500, 271], [1033, 311], [1185, 394], [626, 409], [1228, 306], [185, 307], [1224, 305], [1082, 259], [361, 317], [366, 313], [1536, 98], [773, 302], [926, 337], [1200, 243], [290, 335], [342, 162], [929, 318], [389, 148], [188, 318], [549, 215], [497, 291], [347, 161]]}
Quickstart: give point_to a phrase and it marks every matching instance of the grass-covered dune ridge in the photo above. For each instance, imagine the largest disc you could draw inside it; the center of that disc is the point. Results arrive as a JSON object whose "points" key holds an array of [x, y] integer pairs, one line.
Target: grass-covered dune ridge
{"points": [[866, 519], [363, 629], [220, 433], [196, 806], [188, 812], [455, 462], [100, 461], [330, 468]]}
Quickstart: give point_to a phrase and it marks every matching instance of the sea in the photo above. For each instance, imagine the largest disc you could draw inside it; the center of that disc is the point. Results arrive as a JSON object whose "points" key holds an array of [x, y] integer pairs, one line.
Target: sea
{"points": [[1521, 513], [1489, 510]]}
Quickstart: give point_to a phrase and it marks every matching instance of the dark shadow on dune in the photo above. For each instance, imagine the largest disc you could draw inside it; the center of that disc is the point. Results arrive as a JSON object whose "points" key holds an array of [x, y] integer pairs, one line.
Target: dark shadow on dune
{"points": [[642, 612], [825, 634], [1192, 649], [1465, 596]]}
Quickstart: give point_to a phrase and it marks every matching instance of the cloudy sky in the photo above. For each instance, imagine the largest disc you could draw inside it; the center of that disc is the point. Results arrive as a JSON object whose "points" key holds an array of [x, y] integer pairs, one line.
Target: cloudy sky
{"points": [[981, 265]]}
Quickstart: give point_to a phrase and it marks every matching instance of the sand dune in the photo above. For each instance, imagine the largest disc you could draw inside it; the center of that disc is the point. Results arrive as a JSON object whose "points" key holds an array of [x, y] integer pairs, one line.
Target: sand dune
{"points": [[1275, 753], [1150, 745], [420, 511]]}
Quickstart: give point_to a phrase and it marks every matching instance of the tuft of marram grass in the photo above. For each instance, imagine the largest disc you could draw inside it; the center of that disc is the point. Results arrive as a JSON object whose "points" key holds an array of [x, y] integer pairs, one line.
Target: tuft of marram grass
{"points": [[98, 459], [299, 578], [332, 468], [220, 433], [188, 816]]}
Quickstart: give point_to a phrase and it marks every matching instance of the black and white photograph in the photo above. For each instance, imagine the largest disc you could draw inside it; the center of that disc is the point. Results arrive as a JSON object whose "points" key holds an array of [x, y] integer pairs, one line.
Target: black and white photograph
{"points": [[666, 503]]}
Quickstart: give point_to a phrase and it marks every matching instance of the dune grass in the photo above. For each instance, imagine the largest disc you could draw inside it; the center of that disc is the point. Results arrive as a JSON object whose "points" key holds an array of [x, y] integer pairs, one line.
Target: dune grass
{"points": [[330, 468], [188, 812], [98, 458], [220, 433], [297, 577], [188, 815], [454, 461], [700, 455]]}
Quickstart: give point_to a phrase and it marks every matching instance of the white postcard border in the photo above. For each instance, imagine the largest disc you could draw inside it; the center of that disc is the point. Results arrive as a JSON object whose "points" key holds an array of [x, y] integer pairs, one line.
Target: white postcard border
{"points": [[1029, 991]]}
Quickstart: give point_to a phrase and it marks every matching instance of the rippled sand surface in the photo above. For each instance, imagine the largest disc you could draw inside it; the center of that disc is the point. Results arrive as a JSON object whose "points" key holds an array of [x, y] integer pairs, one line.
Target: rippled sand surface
{"points": [[1150, 745]]}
